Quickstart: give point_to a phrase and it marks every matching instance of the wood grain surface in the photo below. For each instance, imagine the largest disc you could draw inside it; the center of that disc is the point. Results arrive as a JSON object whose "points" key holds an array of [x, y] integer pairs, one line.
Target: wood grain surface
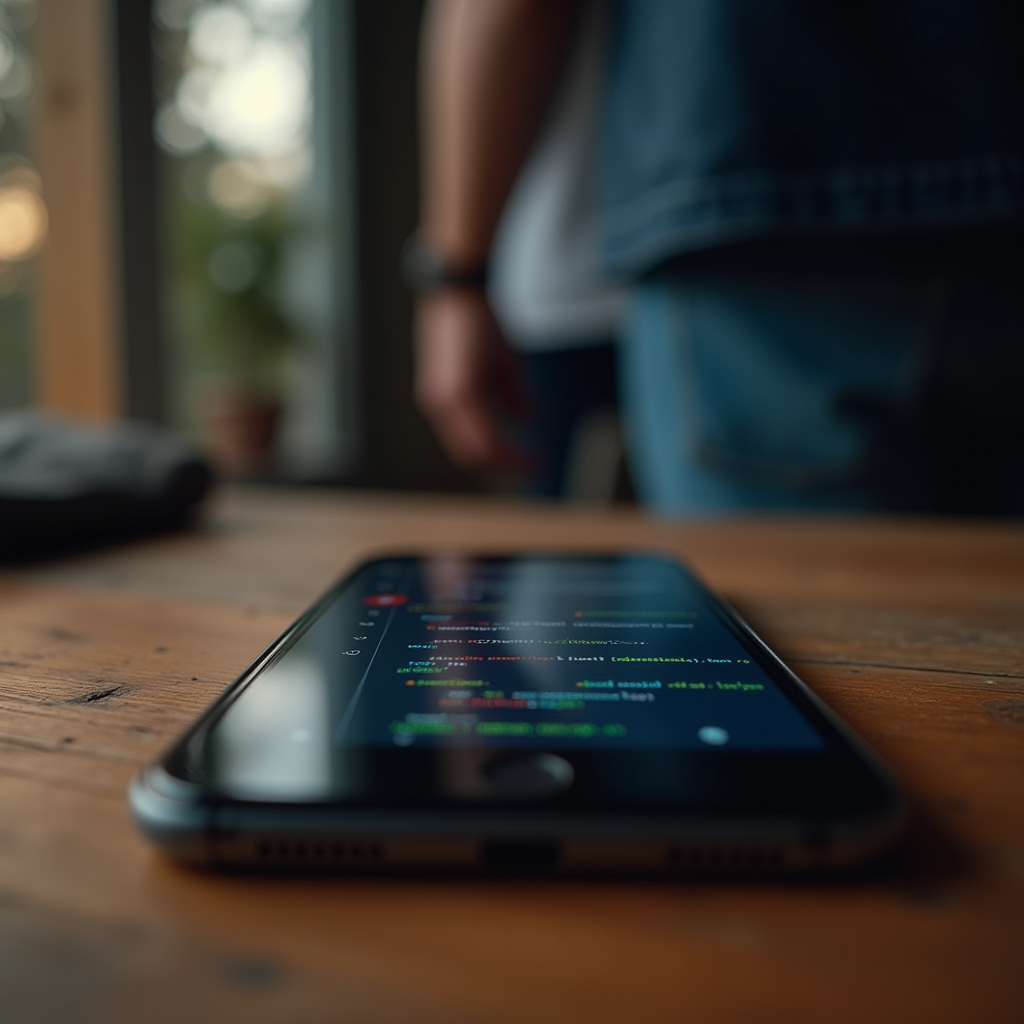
{"points": [[910, 629]]}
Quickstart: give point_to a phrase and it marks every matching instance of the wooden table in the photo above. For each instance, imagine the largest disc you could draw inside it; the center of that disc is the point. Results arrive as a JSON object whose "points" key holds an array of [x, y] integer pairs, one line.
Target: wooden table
{"points": [[910, 629]]}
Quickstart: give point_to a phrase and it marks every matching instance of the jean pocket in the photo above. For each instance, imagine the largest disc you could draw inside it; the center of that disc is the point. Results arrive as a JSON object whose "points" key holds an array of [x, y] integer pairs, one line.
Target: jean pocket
{"points": [[789, 382]]}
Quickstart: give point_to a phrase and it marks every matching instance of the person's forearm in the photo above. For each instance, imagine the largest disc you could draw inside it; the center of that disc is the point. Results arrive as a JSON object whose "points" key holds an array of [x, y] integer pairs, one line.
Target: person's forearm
{"points": [[488, 69]]}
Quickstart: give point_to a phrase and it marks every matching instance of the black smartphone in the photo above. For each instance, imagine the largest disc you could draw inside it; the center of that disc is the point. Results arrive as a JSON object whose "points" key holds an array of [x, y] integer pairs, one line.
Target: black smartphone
{"points": [[531, 712]]}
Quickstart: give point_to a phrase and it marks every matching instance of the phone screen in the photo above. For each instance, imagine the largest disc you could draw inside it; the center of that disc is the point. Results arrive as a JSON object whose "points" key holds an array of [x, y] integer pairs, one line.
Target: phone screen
{"points": [[412, 660], [583, 653]]}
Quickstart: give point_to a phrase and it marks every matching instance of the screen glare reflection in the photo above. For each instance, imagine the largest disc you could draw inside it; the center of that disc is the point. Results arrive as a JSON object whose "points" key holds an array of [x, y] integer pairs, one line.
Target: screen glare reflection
{"points": [[274, 744]]}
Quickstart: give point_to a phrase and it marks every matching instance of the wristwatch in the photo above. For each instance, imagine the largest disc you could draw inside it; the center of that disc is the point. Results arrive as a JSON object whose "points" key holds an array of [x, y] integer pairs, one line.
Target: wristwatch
{"points": [[425, 268]]}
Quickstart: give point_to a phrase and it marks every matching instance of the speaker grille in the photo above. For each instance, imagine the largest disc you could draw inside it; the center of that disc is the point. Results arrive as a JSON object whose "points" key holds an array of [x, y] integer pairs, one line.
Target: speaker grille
{"points": [[317, 852]]}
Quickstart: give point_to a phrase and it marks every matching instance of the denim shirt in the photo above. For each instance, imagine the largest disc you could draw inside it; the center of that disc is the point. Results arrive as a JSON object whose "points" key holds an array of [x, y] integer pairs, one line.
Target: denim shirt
{"points": [[730, 120]]}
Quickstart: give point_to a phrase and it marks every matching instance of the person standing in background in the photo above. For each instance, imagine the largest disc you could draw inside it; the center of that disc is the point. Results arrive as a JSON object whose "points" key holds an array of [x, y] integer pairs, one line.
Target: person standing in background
{"points": [[816, 209], [516, 328], [559, 314]]}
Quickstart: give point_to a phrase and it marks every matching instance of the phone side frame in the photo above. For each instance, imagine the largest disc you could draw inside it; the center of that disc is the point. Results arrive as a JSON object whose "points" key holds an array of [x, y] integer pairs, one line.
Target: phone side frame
{"points": [[328, 837]]}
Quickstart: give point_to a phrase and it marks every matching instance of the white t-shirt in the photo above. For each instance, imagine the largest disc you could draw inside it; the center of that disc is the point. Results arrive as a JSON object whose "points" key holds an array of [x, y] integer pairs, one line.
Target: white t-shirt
{"points": [[545, 289]]}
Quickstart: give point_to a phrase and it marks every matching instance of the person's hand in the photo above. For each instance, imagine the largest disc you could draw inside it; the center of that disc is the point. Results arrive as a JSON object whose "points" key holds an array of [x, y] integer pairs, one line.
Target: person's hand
{"points": [[467, 379]]}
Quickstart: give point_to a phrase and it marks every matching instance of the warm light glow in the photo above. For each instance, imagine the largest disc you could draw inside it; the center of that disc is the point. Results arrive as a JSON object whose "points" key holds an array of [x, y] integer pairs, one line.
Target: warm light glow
{"points": [[220, 34], [260, 103], [234, 190], [23, 223], [247, 91]]}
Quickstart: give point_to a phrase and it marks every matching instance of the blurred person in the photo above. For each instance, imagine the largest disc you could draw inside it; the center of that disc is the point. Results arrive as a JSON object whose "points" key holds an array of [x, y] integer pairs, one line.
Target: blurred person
{"points": [[559, 314], [516, 333], [817, 211]]}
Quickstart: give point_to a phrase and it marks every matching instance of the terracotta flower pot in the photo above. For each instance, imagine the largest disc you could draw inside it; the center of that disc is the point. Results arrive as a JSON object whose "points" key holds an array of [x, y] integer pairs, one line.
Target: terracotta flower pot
{"points": [[239, 423]]}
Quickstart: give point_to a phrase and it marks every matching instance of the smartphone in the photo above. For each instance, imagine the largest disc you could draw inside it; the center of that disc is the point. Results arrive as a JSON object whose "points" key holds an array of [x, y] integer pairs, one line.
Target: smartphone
{"points": [[544, 713]]}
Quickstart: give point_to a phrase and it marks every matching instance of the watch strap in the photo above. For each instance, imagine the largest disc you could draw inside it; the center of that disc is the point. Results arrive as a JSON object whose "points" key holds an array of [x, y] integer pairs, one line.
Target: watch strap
{"points": [[425, 268]]}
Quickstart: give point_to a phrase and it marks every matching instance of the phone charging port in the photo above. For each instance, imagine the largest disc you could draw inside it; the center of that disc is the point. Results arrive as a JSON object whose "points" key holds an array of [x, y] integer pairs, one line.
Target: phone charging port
{"points": [[520, 855]]}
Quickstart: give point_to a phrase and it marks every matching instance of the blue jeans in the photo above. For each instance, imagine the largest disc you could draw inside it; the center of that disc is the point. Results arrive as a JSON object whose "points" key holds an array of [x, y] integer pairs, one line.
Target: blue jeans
{"points": [[801, 393], [563, 387]]}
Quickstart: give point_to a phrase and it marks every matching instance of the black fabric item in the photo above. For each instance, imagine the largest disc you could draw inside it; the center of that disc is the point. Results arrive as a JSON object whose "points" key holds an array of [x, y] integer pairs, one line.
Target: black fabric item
{"points": [[64, 484]]}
